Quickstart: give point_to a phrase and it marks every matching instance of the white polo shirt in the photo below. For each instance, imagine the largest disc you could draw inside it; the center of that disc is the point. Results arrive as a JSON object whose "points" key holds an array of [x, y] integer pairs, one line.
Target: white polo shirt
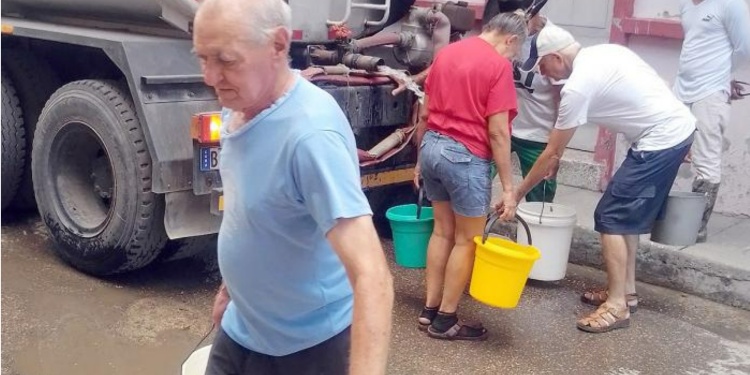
{"points": [[611, 86]]}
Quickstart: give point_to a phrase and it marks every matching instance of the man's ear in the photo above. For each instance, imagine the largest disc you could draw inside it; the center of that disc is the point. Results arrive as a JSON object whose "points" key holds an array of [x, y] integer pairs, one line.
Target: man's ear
{"points": [[280, 42]]}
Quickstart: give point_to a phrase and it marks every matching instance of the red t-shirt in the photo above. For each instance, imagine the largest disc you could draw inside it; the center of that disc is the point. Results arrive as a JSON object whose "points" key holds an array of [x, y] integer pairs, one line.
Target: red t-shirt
{"points": [[469, 82]]}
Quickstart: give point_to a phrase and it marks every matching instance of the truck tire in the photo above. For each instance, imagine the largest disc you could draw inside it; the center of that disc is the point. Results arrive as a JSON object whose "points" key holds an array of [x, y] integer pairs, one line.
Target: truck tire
{"points": [[35, 82], [383, 198], [92, 180], [13, 142]]}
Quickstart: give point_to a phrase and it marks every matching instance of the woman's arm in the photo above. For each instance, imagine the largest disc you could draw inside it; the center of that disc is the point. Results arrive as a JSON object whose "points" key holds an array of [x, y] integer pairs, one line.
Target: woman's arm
{"points": [[499, 131]]}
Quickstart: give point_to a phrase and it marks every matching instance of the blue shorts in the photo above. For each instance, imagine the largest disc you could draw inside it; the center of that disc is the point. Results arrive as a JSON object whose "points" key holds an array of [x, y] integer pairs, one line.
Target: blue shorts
{"points": [[450, 172], [637, 194]]}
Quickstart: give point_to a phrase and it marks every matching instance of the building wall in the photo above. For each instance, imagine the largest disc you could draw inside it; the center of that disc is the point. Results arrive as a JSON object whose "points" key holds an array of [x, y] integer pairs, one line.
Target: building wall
{"points": [[663, 55]]}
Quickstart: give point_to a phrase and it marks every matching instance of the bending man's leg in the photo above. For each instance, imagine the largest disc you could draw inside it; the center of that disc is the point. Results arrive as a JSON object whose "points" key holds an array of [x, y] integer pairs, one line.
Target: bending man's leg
{"points": [[632, 244], [615, 251]]}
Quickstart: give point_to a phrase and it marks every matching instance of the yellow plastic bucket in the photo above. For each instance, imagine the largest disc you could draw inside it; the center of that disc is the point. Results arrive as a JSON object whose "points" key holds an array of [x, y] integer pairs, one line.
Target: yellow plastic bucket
{"points": [[501, 268]]}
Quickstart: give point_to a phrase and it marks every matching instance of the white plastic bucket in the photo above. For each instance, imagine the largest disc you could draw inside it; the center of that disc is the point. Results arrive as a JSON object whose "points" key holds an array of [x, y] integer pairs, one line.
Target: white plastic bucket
{"points": [[552, 233], [197, 362]]}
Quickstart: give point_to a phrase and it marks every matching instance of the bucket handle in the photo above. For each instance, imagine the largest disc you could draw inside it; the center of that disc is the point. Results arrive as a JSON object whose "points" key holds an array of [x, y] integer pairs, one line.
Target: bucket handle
{"points": [[494, 217], [420, 199]]}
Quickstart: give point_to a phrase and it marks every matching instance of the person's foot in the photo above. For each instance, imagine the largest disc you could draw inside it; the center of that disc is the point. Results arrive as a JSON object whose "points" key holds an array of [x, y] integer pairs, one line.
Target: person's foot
{"points": [[606, 318], [426, 317], [597, 297], [447, 326]]}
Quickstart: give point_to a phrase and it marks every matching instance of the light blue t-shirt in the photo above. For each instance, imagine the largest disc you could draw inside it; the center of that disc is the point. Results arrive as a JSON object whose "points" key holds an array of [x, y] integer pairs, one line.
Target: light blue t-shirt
{"points": [[288, 175]]}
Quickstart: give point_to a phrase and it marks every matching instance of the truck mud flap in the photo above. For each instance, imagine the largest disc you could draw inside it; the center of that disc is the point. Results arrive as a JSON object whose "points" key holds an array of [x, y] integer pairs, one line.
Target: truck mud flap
{"points": [[189, 215]]}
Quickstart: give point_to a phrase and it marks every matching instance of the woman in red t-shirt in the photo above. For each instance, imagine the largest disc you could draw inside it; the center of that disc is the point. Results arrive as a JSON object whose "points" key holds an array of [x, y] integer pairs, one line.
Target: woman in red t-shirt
{"points": [[465, 124]]}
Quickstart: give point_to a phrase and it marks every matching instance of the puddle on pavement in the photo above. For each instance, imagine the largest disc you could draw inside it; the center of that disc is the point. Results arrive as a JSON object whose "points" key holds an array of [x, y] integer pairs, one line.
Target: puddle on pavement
{"points": [[78, 350], [59, 321]]}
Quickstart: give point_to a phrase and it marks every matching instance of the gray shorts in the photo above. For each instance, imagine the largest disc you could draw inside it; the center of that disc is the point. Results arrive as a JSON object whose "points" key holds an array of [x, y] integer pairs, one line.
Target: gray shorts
{"points": [[452, 173]]}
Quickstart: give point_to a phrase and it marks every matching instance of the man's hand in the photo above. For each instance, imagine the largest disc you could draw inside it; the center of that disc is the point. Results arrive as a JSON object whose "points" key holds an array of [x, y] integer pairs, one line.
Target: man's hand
{"points": [[220, 305], [554, 167], [738, 90], [688, 157]]}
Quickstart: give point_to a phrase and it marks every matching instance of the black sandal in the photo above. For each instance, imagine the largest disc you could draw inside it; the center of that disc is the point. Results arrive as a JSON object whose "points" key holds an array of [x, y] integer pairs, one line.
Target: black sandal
{"points": [[426, 317], [460, 331]]}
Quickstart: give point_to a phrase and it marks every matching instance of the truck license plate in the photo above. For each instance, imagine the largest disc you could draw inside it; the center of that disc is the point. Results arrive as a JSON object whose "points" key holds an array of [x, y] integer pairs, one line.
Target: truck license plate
{"points": [[209, 158]]}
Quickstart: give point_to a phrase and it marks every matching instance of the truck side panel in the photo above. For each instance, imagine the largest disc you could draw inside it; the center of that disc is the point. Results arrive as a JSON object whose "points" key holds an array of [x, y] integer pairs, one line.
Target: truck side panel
{"points": [[164, 80]]}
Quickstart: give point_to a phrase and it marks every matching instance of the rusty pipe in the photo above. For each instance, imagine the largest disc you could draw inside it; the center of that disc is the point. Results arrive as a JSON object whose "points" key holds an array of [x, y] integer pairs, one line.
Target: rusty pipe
{"points": [[438, 22], [441, 32], [388, 144], [322, 56], [381, 39], [351, 80], [357, 61]]}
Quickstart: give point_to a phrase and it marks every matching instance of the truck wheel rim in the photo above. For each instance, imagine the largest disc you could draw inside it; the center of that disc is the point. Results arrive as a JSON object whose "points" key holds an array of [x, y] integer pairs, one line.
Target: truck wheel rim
{"points": [[82, 176]]}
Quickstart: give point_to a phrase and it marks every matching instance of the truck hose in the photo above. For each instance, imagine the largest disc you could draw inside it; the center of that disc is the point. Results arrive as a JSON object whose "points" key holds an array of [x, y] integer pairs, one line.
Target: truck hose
{"points": [[388, 143]]}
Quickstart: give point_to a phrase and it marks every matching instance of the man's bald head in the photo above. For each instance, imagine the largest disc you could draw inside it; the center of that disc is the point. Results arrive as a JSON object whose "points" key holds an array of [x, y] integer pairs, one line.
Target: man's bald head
{"points": [[254, 20]]}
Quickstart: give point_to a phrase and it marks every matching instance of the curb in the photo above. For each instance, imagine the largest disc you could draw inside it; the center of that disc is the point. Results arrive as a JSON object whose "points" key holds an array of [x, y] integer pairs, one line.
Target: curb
{"points": [[665, 266]]}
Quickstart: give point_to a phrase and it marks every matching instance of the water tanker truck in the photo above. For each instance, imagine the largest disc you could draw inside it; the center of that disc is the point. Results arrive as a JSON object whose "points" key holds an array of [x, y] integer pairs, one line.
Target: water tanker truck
{"points": [[110, 132]]}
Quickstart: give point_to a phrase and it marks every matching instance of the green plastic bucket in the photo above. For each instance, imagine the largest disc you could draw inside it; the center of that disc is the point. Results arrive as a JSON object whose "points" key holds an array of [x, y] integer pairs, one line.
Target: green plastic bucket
{"points": [[410, 235]]}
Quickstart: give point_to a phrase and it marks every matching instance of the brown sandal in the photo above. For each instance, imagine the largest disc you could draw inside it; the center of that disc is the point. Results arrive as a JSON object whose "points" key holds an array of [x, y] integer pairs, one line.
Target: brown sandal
{"points": [[606, 318], [597, 297]]}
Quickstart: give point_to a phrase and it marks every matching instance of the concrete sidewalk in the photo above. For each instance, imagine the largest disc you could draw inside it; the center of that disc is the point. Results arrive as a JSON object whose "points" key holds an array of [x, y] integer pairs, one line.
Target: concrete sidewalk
{"points": [[718, 269]]}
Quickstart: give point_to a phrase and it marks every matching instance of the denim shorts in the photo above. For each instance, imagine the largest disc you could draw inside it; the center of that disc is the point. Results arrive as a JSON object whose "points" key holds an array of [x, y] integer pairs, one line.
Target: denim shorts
{"points": [[450, 172], [637, 194]]}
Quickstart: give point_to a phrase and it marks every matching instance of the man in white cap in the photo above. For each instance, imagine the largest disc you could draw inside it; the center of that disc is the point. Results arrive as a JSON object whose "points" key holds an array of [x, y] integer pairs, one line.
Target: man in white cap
{"points": [[611, 86]]}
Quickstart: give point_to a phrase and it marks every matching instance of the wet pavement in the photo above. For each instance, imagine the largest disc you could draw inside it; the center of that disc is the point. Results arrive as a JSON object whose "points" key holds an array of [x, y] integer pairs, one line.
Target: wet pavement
{"points": [[56, 320]]}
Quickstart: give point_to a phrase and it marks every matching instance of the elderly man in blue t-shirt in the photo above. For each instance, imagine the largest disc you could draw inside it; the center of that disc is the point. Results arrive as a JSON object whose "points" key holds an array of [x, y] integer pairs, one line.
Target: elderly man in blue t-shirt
{"points": [[306, 287]]}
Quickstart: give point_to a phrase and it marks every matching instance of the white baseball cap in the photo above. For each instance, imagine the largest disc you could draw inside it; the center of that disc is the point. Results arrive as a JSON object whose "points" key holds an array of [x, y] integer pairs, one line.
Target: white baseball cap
{"points": [[549, 40]]}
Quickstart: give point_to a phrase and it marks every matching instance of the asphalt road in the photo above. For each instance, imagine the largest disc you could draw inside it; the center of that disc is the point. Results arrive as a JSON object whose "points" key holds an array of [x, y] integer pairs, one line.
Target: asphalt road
{"points": [[58, 321]]}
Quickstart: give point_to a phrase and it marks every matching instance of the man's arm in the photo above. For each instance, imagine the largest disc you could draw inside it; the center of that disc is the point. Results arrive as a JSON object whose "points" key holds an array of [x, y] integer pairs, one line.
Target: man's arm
{"points": [[738, 29], [548, 161], [499, 131], [572, 112], [358, 246], [556, 96], [220, 304], [328, 182]]}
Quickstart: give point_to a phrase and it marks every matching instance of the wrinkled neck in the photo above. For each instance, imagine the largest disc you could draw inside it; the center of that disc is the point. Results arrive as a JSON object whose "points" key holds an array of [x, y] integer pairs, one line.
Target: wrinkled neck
{"points": [[283, 84]]}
